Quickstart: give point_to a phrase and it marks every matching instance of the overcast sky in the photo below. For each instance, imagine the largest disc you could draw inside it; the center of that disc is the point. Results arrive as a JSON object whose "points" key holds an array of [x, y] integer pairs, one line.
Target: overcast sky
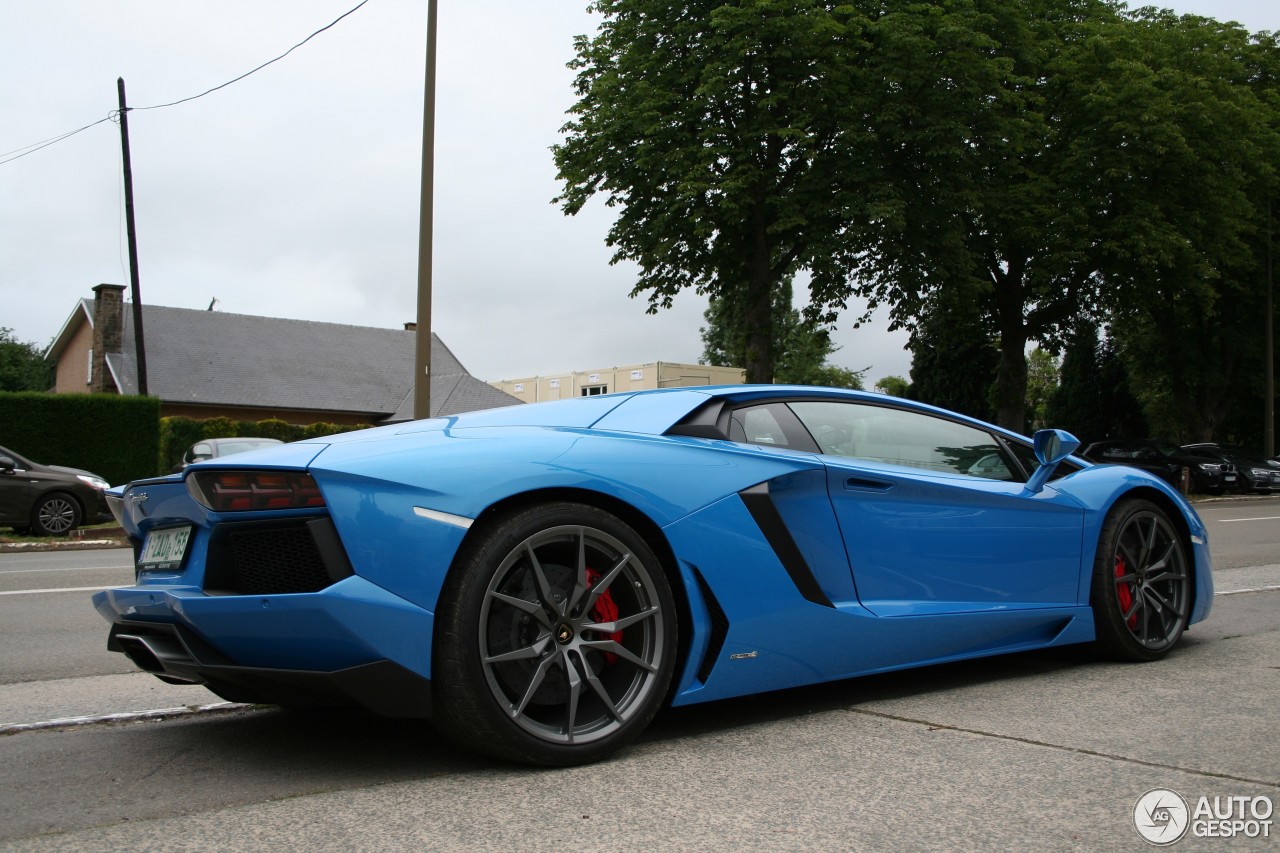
{"points": [[294, 193]]}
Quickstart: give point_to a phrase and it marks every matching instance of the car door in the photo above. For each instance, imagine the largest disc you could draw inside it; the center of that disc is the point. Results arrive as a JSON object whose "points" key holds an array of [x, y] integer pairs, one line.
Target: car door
{"points": [[18, 492], [935, 517]]}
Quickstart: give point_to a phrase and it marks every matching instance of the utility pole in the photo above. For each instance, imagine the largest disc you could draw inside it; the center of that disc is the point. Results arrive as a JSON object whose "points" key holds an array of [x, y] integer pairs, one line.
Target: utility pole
{"points": [[422, 348], [139, 343]]}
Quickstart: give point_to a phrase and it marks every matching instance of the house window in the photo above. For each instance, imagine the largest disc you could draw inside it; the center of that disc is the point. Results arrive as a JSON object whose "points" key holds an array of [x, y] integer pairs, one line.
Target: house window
{"points": [[593, 390], [88, 370]]}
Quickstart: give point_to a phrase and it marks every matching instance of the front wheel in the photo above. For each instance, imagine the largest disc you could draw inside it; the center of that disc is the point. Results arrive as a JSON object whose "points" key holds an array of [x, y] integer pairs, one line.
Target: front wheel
{"points": [[55, 515], [1141, 594], [556, 638]]}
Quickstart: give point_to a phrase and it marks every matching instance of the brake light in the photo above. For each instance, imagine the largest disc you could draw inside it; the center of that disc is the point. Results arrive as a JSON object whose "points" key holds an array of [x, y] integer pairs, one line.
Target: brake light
{"points": [[241, 491]]}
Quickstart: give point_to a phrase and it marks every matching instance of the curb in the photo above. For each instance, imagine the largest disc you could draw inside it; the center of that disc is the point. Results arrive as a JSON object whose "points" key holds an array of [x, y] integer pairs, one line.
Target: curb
{"points": [[103, 537]]}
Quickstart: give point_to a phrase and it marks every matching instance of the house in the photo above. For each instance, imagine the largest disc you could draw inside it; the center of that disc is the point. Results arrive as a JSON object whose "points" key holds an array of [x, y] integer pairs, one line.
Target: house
{"points": [[607, 380], [206, 364]]}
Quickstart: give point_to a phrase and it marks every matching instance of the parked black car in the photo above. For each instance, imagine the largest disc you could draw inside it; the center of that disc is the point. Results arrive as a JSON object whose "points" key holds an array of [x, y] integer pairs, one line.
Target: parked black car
{"points": [[49, 500], [1254, 472], [1166, 461]]}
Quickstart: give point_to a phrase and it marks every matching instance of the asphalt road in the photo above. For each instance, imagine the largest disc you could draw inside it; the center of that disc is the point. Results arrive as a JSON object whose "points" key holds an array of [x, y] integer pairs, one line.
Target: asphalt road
{"points": [[1046, 750]]}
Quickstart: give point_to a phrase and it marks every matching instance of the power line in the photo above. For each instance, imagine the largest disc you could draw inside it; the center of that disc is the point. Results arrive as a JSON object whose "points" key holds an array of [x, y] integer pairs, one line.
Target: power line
{"points": [[260, 67], [19, 153]]}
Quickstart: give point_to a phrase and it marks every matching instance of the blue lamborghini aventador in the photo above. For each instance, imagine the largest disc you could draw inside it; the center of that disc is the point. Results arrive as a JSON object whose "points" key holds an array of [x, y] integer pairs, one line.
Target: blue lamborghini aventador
{"points": [[539, 580]]}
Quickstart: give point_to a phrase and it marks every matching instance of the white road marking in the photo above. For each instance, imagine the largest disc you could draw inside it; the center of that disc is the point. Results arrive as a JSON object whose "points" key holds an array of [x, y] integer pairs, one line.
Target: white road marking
{"points": [[63, 589], [1259, 518], [1239, 591], [65, 569]]}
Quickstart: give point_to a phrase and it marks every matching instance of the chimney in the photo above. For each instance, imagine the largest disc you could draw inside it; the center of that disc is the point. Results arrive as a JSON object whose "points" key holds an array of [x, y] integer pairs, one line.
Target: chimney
{"points": [[108, 334], [411, 327]]}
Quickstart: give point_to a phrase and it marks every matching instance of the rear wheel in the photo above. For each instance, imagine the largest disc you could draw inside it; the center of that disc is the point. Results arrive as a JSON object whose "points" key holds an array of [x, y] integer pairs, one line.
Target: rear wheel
{"points": [[1141, 593], [556, 638], [55, 515]]}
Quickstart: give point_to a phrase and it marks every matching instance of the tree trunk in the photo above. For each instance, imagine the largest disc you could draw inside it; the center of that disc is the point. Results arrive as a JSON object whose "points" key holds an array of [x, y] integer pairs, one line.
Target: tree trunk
{"points": [[1009, 393], [758, 316]]}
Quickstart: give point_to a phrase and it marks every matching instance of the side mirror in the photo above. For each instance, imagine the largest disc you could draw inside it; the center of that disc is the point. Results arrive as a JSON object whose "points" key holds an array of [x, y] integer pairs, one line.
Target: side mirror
{"points": [[7, 465], [1051, 446]]}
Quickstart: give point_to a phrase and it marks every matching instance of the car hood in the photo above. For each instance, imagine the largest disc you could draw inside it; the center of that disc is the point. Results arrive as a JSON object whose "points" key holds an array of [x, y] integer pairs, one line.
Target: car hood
{"points": [[63, 469]]}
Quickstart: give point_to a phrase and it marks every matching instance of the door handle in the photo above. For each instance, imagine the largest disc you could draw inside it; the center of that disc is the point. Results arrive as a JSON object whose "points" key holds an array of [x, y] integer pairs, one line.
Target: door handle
{"points": [[862, 484]]}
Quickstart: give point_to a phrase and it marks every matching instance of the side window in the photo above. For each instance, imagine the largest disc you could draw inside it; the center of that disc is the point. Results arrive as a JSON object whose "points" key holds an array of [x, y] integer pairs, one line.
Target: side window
{"points": [[897, 437], [757, 425]]}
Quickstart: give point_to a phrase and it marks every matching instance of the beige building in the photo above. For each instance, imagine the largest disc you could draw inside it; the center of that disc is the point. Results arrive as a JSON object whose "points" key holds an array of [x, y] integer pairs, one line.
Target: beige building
{"points": [[636, 377]]}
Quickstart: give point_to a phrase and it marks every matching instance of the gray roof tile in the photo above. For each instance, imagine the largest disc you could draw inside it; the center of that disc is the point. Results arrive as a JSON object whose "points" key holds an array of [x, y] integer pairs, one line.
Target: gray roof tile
{"points": [[216, 358]]}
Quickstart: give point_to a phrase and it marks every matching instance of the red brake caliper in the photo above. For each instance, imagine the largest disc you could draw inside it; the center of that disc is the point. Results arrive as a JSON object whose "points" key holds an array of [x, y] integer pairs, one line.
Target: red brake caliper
{"points": [[1124, 593], [605, 610]]}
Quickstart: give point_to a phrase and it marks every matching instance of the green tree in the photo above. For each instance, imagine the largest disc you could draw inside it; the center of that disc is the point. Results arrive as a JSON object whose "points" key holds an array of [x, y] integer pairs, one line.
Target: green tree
{"points": [[715, 127], [953, 359], [22, 365], [894, 386], [1042, 381], [803, 348], [1041, 157], [1093, 400]]}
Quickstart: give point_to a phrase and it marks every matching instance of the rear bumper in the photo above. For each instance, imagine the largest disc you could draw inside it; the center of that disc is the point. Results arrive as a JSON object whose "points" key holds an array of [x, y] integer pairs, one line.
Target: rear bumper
{"points": [[177, 655], [352, 643]]}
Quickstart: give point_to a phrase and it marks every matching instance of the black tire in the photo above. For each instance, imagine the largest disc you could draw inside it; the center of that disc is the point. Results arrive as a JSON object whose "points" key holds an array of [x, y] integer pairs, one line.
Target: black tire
{"points": [[555, 638], [1141, 593], [55, 514]]}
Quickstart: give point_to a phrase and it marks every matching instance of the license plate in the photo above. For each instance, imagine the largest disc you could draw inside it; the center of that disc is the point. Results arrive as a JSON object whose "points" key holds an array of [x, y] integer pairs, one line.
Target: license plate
{"points": [[164, 549]]}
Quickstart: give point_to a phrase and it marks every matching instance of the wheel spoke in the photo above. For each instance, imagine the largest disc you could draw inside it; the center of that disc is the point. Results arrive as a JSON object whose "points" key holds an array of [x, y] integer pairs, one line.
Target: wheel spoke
{"points": [[540, 576], [1126, 615], [1148, 540], [621, 624], [1169, 576], [1131, 564], [603, 695], [533, 608], [1161, 563], [1158, 602], [539, 675], [535, 650], [601, 586], [610, 647], [571, 663], [581, 580]]}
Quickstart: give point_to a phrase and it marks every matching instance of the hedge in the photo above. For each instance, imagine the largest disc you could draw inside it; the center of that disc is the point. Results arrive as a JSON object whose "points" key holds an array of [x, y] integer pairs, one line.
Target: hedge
{"points": [[179, 433], [115, 437]]}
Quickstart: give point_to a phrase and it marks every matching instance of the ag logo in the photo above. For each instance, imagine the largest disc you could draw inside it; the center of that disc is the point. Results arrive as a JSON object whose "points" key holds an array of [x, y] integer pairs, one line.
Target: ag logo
{"points": [[1161, 816]]}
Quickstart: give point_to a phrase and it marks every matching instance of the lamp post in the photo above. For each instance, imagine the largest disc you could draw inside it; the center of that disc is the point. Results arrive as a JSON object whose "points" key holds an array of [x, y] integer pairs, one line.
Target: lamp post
{"points": [[422, 345]]}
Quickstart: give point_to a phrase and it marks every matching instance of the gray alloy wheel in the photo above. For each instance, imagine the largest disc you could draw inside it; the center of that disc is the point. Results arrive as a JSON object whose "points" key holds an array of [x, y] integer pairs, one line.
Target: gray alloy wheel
{"points": [[1141, 593], [558, 645], [55, 515]]}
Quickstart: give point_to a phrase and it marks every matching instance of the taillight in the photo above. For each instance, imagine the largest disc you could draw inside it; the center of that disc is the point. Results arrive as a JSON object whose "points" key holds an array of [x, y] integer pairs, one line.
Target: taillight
{"points": [[240, 491]]}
